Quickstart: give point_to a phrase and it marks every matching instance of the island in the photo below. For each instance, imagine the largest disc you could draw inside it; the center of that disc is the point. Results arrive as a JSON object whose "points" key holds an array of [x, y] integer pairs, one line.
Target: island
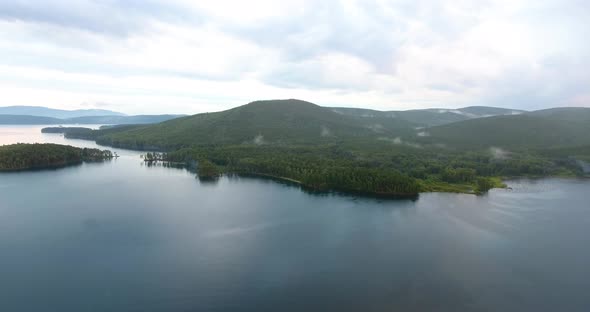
{"points": [[18, 157]]}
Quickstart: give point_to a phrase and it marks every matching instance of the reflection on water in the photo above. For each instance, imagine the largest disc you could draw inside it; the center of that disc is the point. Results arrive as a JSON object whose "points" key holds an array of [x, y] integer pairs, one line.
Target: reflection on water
{"points": [[165, 164], [124, 236]]}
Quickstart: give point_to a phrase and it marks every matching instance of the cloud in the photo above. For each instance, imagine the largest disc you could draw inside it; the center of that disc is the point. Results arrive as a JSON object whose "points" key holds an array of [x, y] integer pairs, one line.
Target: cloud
{"points": [[358, 29], [194, 56], [113, 18]]}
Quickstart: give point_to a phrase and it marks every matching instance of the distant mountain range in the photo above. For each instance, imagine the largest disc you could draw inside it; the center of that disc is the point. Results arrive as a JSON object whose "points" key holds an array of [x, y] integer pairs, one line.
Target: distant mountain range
{"points": [[33, 115], [55, 113], [399, 120], [88, 120]]}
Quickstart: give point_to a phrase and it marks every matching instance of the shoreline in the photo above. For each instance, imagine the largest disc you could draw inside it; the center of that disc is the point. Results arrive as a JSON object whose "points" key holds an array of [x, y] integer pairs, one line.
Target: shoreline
{"points": [[439, 187], [312, 190]]}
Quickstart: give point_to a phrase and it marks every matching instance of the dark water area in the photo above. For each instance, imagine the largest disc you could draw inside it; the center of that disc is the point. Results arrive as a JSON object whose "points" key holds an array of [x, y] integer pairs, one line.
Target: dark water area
{"points": [[123, 236]]}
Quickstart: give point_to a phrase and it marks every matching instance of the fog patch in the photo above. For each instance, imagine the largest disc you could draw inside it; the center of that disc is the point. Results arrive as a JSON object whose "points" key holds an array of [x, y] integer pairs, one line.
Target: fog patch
{"points": [[498, 153], [423, 134], [378, 128], [466, 114], [368, 115], [326, 132], [414, 145], [399, 141], [259, 139]]}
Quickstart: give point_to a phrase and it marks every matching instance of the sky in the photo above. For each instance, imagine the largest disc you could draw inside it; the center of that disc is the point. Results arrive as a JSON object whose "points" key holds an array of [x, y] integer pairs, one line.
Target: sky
{"points": [[184, 56]]}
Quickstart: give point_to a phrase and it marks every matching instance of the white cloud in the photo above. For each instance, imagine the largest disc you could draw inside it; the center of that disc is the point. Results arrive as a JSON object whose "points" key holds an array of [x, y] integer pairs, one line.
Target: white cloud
{"points": [[187, 56]]}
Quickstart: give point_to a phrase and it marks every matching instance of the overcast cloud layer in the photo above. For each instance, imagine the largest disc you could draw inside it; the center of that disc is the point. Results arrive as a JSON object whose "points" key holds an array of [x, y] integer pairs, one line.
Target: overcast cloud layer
{"points": [[183, 56]]}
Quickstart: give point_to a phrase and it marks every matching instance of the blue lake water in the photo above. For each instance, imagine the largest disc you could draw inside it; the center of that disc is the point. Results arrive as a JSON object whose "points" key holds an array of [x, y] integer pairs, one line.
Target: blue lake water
{"points": [[122, 236]]}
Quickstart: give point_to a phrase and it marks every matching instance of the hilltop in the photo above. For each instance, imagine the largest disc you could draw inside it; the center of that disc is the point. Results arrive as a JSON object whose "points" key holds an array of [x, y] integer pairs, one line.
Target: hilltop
{"points": [[260, 122]]}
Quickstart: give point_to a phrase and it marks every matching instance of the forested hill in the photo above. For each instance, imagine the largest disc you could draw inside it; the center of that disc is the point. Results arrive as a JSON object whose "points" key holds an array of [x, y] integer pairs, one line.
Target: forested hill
{"points": [[295, 122], [40, 156], [258, 123], [553, 128]]}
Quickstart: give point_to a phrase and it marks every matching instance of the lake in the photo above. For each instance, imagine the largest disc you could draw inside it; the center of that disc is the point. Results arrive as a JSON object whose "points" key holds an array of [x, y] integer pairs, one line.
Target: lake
{"points": [[122, 236]]}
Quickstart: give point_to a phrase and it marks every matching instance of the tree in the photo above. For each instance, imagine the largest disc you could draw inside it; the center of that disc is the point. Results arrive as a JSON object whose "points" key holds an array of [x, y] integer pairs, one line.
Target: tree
{"points": [[207, 170]]}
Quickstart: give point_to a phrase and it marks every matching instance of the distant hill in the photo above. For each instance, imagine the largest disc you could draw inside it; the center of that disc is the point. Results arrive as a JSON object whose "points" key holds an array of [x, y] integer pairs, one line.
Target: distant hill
{"points": [[122, 120], [260, 122], [574, 114], [432, 116], [560, 127], [89, 120], [296, 122], [28, 120], [55, 113]]}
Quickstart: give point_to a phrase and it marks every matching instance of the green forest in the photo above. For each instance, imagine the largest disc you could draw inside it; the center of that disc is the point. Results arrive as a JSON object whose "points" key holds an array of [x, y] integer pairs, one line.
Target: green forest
{"points": [[40, 156], [376, 171], [366, 151]]}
